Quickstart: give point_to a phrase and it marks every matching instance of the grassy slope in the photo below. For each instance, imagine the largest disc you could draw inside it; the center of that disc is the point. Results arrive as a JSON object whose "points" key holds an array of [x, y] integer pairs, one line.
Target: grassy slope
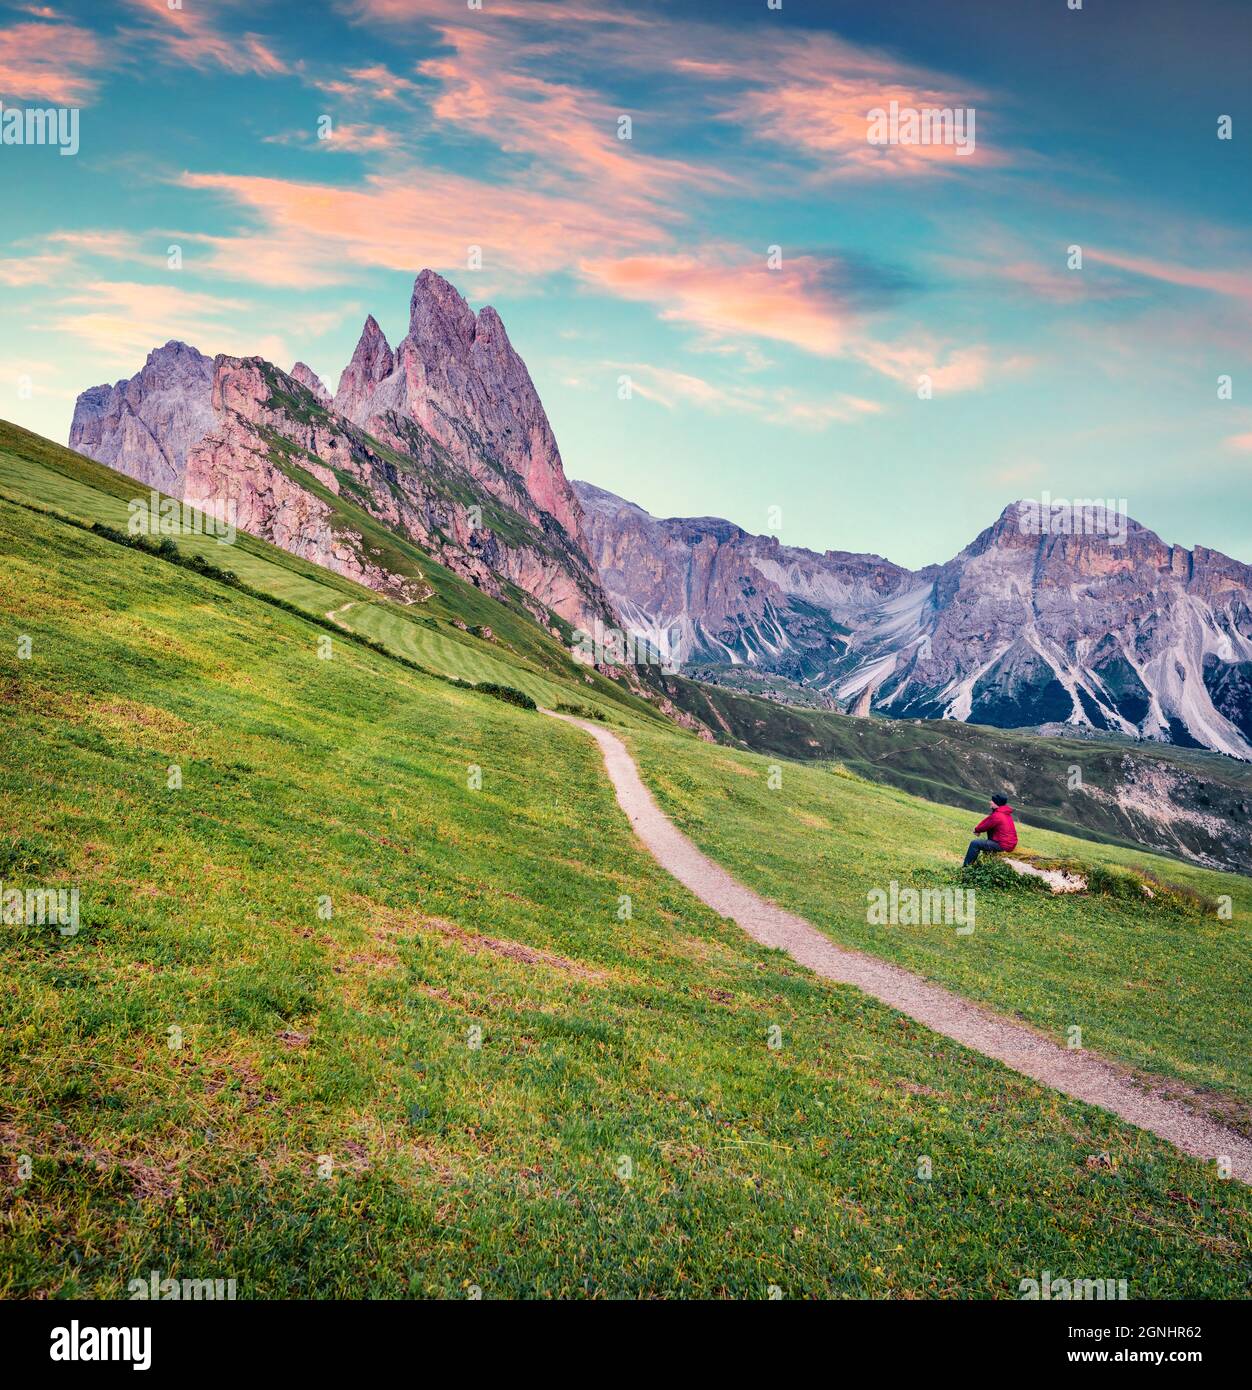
{"points": [[946, 761], [35, 470], [301, 1037], [1158, 988]]}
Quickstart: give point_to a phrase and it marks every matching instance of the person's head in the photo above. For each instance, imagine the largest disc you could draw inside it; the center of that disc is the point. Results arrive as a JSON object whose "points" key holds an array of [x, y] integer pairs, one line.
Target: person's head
{"points": [[999, 799]]}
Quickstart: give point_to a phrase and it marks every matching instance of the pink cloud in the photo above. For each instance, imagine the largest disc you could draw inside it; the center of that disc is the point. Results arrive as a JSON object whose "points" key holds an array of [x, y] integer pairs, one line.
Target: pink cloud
{"points": [[795, 305], [807, 91], [186, 36], [569, 132], [1234, 284], [49, 62], [827, 116], [314, 233], [533, 11], [790, 305]]}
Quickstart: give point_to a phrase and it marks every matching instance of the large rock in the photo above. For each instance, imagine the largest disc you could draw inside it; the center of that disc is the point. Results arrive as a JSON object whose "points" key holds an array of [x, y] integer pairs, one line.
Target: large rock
{"points": [[147, 425], [310, 380]]}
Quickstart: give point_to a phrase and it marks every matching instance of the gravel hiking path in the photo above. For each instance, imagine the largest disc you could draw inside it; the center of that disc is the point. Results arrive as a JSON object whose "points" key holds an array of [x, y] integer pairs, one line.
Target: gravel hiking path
{"points": [[1074, 1073]]}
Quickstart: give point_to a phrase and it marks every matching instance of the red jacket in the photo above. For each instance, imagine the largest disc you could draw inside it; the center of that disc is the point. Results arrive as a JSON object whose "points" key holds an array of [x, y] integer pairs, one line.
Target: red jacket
{"points": [[999, 827]]}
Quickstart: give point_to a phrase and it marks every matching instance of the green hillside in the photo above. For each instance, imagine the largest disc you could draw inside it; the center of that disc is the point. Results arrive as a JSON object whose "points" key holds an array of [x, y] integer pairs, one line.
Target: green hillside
{"points": [[439, 633], [386, 1000], [1160, 983], [1207, 797]]}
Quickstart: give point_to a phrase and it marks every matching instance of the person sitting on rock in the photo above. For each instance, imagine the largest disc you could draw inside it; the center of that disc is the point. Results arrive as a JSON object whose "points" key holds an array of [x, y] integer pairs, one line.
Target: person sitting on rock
{"points": [[1001, 832]]}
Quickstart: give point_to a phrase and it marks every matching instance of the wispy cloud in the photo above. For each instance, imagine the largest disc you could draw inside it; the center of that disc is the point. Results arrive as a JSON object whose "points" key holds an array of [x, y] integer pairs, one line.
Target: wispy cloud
{"points": [[57, 63], [309, 232], [372, 82], [948, 368], [672, 388], [121, 320], [189, 36], [793, 305], [345, 138], [1232, 283]]}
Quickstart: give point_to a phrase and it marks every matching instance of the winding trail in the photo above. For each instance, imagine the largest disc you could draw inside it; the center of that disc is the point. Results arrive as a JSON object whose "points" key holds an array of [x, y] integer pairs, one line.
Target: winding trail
{"points": [[1078, 1074], [334, 613]]}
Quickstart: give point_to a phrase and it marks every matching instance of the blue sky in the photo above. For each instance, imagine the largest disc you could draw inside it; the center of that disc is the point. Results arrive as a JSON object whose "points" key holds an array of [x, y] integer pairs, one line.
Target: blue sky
{"points": [[753, 387]]}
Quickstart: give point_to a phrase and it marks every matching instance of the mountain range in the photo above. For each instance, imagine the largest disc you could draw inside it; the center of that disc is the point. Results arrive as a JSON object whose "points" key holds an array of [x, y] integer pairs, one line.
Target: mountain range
{"points": [[1112, 630], [444, 440]]}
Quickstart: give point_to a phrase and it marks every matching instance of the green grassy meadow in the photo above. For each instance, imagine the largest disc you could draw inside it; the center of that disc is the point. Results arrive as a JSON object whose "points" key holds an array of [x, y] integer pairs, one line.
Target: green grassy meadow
{"points": [[1159, 985], [385, 1000]]}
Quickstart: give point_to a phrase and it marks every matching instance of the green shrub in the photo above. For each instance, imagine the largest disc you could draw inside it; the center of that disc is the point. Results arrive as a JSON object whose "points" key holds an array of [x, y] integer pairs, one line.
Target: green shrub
{"points": [[580, 711], [507, 692]]}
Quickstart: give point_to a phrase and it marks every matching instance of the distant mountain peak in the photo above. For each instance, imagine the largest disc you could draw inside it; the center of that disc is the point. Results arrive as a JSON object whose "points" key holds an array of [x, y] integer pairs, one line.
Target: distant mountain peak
{"points": [[309, 379], [1050, 615]]}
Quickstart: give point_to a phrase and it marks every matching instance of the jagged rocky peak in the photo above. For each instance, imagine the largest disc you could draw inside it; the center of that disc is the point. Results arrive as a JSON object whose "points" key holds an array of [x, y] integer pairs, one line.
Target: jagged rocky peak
{"points": [[372, 362], [310, 380], [147, 424], [453, 396], [439, 314], [456, 374]]}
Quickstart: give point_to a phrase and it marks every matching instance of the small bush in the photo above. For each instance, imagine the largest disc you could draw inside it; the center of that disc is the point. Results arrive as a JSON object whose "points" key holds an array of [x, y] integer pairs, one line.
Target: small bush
{"points": [[508, 693], [580, 711], [991, 871]]}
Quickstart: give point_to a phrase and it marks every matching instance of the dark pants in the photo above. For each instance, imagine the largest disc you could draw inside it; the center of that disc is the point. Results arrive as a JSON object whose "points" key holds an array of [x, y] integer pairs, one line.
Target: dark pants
{"points": [[977, 847]]}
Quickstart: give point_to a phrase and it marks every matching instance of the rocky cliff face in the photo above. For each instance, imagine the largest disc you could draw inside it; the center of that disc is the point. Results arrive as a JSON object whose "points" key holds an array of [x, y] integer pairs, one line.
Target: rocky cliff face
{"points": [[1127, 635], [456, 375], [146, 426], [1023, 627], [444, 441], [705, 592]]}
